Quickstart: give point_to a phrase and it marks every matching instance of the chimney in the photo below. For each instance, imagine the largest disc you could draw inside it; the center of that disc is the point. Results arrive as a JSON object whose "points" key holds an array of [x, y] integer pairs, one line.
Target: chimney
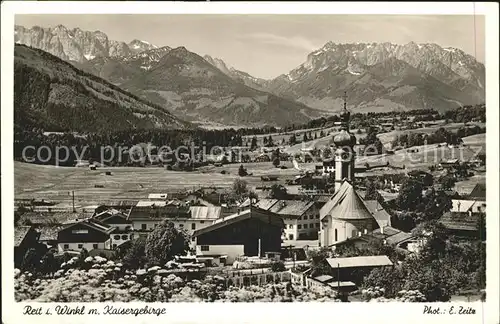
{"points": [[382, 230]]}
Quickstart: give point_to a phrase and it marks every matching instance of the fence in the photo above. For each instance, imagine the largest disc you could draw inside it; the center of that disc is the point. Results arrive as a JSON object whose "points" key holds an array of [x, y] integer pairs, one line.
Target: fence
{"points": [[258, 279]]}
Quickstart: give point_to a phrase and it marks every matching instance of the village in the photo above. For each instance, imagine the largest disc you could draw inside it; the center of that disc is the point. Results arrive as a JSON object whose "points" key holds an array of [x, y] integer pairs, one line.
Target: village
{"points": [[331, 226]]}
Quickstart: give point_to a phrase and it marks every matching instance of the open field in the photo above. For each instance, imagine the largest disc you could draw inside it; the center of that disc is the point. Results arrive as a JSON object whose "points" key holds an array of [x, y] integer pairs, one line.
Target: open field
{"points": [[388, 137], [55, 183]]}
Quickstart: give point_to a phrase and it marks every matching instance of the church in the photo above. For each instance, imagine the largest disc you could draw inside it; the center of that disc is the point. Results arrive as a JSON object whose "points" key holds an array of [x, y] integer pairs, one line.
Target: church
{"points": [[346, 214]]}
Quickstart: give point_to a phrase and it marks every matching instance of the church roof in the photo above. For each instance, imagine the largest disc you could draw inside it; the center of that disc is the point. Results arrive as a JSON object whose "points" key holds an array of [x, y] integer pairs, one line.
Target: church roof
{"points": [[346, 204]]}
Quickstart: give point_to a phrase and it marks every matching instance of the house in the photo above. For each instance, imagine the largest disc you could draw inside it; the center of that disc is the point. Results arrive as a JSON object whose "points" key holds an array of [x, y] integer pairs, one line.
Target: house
{"points": [[478, 192], [347, 215], [448, 164], [158, 196], [464, 224], [468, 205], [25, 238], [386, 235], [263, 158], [189, 218], [122, 231], [301, 217], [88, 233], [354, 269], [251, 232], [330, 282], [328, 166]]}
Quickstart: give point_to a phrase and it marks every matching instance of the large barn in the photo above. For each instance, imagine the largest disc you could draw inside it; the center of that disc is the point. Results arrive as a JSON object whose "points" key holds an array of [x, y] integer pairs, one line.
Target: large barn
{"points": [[248, 232]]}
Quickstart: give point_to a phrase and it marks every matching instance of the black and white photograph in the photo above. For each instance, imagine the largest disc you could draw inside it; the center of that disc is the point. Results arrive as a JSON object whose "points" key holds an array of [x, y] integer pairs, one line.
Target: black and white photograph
{"points": [[235, 158]]}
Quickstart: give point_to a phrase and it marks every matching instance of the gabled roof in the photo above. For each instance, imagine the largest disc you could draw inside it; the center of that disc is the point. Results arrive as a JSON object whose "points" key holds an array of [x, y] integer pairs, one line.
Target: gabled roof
{"points": [[378, 212], [48, 233], [252, 212], [291, 207], [110, 214], [93, 224], [466, 205], [479, 192], [346, 204], [205, 212], [461, 221], [266, 204], [20, 233], [359, 261]]}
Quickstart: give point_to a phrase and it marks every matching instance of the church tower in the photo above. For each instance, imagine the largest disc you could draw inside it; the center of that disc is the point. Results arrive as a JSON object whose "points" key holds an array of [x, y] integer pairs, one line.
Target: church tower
{"points": [[344, 152]]}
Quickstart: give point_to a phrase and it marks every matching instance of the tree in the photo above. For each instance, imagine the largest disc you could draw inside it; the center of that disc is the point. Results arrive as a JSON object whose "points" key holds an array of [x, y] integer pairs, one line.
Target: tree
{"points": [[253, 144], [31, 260], [165, 242], [49, 264], [318, 258], [134, 257], [270, 141], [81, 258], [278, 192], [410, 194], [278, 266], [292, 140], [390, 278], [242, 172], [276, 162], [371, 191], [240, 187]]}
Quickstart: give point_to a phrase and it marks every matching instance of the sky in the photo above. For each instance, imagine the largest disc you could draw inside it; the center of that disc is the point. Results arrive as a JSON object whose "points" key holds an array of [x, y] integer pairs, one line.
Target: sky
{"points": [[267, 46]]}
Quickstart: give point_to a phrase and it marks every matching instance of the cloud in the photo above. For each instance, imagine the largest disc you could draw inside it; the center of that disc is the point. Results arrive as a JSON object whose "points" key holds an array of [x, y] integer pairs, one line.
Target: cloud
{"points": [[295, 42]]}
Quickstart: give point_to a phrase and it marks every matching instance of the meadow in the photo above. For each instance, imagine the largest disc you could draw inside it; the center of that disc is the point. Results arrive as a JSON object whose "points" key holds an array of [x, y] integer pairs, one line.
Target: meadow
{"points": [[133, 183]]}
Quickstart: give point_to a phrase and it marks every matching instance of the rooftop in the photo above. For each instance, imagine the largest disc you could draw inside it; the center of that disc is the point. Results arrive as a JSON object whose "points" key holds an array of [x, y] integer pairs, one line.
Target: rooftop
{"points": [[461, 221], [20, 233], [205, 212], [251, 212], [360, 261], [346, 204], [479, 192]]}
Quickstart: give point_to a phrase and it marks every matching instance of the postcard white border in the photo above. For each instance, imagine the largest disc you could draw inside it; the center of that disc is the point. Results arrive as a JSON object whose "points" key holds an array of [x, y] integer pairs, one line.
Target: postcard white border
{"points": [[258, 312]]}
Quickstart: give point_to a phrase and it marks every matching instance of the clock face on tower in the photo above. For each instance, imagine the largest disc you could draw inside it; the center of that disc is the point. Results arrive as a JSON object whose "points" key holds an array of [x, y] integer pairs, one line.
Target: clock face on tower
{"points": [[344, 156]]}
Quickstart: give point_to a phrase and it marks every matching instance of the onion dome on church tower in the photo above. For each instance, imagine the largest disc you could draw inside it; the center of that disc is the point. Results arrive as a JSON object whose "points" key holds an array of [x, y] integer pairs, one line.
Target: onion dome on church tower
{"points": [[344, 138]]}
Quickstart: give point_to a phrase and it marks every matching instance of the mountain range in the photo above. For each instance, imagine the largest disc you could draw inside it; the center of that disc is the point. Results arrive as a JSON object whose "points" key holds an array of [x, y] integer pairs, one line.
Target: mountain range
{"points": [[384, 77], [376, 77], [52, 94]]}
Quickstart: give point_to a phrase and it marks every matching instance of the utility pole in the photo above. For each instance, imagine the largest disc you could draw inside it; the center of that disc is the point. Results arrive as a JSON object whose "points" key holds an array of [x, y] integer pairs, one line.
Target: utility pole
{"points": [[338, 277], [73, 196]]}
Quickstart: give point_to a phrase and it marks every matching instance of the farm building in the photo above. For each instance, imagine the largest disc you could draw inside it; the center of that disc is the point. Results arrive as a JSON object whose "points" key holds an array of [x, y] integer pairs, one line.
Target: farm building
{"points": [[122, 226], [250, 232], [468, 205], [386, 235], [465, 225], [354, 269], [447, 164], [88, 233], [157, 196], [189, 218], [301, 217]]}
